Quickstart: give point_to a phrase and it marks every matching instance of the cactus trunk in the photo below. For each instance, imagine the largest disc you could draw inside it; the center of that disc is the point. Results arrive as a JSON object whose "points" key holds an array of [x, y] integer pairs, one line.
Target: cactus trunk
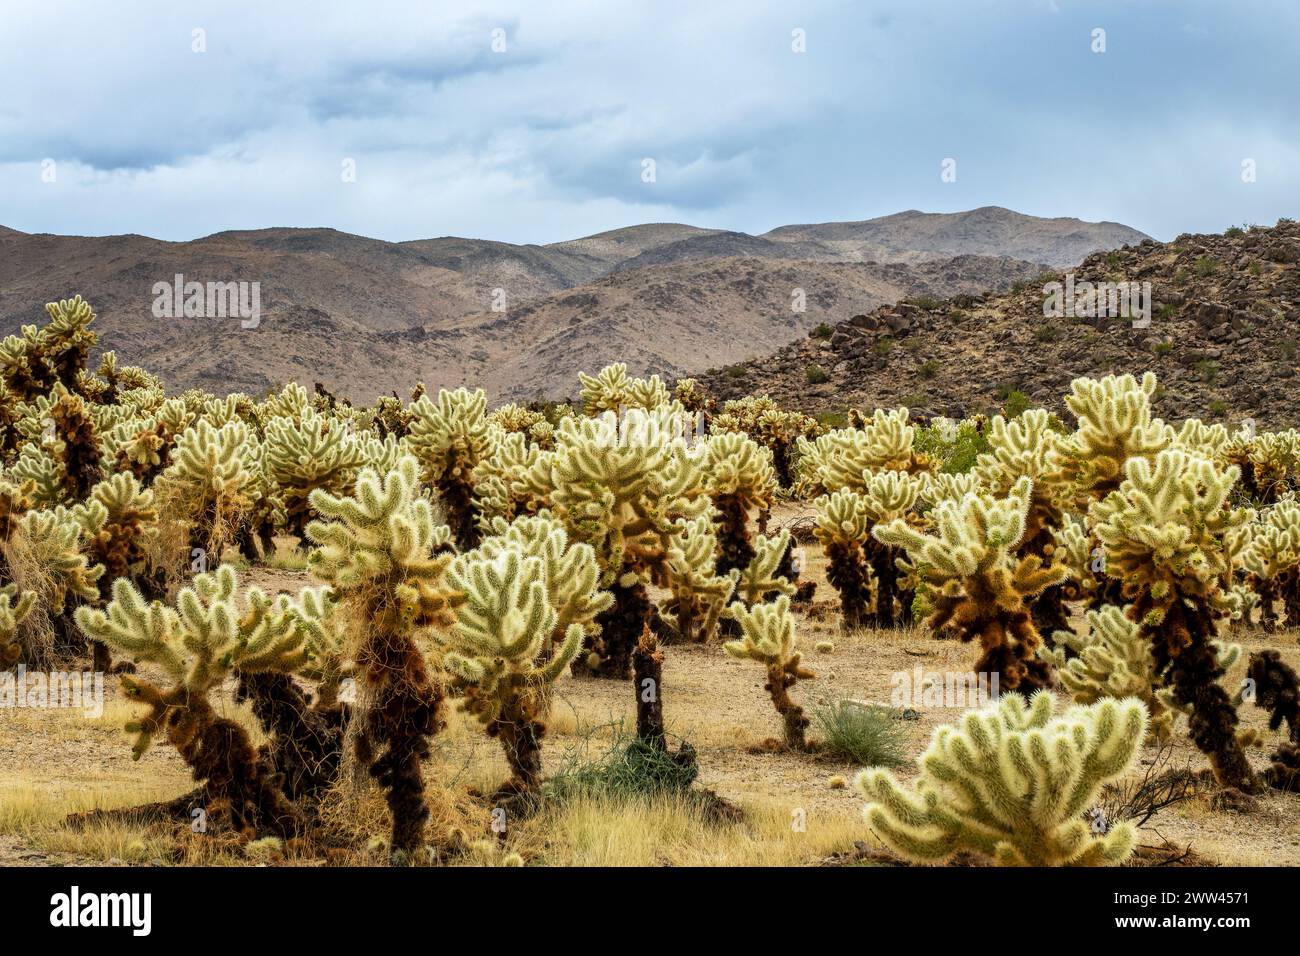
{"points": [[220, 756], [886, 575], [848, 575], [621, 626], [307, 746], [405, 713], [1185, 656]]}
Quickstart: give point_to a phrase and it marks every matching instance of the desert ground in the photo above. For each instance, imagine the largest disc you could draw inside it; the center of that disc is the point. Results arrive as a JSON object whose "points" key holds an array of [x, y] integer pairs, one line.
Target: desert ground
{"points": [[793, 809]]}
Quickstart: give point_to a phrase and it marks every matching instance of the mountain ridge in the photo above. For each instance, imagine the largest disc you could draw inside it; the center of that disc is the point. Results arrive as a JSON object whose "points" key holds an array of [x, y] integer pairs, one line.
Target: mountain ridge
{"points": [[365, 316]]}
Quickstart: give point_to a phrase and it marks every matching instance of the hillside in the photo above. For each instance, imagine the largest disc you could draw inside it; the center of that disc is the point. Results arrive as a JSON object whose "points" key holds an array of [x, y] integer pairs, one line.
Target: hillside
{"points": [[364, 316], [1223, 339], [989, 230]]}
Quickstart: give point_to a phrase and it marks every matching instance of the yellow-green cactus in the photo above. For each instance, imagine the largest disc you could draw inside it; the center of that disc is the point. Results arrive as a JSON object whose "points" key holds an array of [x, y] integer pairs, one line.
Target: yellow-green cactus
{"points": [[843, 528], [978, 582], [699, 592], [12, 612], [305, 453], [761, 579], [611, 390], [768, 636], [208, 486], [1170, 536], [210, 634], [1114, 425], [387, 561], [1112, 659], [775, 428], [450, 438], [508, 645], [1013, 783], [740, 480]]}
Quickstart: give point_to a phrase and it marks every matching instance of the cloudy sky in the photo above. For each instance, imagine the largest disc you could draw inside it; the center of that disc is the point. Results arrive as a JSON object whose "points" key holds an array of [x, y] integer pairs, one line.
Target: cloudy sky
{"points": [[531, 121]]}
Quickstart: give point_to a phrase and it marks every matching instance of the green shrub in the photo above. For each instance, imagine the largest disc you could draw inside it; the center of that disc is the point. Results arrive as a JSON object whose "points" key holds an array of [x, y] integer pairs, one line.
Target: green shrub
{"points": [[929, 368], [1207, 370], [628, 767], [927, 302], [1206, 266], [865, 735], [1164, 348], [735, 371], [823, 331], [1015, 403], [832, 420], [1047, 333], [815, 375], [1234, 232], [1218, 408], [883, 345]]}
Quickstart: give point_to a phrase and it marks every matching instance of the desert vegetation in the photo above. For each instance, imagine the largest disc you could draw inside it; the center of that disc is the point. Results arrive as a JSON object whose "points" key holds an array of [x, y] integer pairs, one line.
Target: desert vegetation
{"points": [[434, 632]]}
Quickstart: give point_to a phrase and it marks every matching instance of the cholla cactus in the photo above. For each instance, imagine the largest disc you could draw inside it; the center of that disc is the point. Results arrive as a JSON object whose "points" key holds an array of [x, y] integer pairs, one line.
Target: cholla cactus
{"points": [[699, 592], [309, 452], [1028, 446], [1115, 424], [688, 393], [450, 438], [1112, 660], [1013, 783], [526, 422], [116, 520], [980, 587], [1169, 535], [43, 554], [1271, 560], [36, 361], [42, 472], [611, 390], [762, 420], [11, 615], [507, 646], [510, 482], [763, 578], [197, 645], [620, 486], [65, 342], [768, 636], [208, 486], [740, 480], [1277, 690], [380, 550], [145, 447], [889, 496], [63, 426], [847, 457], [843, 527], [1268, 462]]}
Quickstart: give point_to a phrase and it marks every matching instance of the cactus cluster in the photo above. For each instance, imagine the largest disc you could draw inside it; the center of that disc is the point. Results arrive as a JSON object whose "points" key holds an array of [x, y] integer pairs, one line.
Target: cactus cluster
{"points": [[1012, 783]]}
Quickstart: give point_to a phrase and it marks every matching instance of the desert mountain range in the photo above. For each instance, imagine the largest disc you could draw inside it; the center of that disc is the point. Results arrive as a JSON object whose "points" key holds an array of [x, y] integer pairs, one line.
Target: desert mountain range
{"points": [[1223, 339], [365, 316]]}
